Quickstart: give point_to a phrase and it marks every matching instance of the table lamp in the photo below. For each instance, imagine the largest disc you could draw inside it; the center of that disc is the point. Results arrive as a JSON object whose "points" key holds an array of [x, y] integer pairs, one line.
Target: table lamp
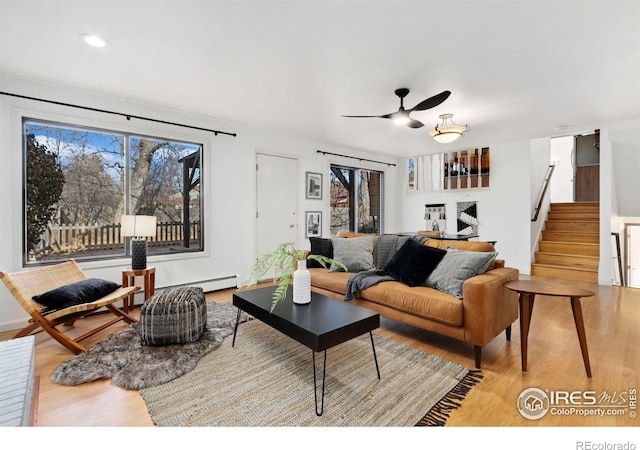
{"points": [[138, 228]]}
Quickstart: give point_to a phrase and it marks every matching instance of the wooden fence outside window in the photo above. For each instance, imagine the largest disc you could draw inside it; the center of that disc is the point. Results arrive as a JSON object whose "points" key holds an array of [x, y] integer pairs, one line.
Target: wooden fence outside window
{"points": [[75, 238]]}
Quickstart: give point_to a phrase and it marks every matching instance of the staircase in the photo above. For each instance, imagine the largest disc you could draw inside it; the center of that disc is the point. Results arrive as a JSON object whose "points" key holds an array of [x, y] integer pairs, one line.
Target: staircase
{"points": [[570, 245]]}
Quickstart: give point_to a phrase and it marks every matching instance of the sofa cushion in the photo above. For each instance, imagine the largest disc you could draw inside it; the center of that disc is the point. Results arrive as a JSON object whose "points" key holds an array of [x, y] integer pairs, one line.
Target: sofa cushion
{"points": [[413, 262], [331, 281], [355, 253], [420, 301], [456, 267], [319, 246]]}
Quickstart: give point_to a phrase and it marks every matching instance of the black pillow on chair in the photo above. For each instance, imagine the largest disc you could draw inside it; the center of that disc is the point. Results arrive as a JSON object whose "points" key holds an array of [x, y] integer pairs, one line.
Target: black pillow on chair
{"points": [[85, 291], [414, 262], [319, 246]]}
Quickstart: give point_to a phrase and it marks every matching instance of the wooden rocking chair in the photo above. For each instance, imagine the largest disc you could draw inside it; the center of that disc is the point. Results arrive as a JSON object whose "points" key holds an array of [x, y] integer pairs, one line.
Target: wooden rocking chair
{"points": [[24, 285]]}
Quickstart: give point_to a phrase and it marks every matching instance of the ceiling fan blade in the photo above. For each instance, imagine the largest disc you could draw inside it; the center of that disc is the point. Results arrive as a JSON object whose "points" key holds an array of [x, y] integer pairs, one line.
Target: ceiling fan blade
{"points": [[432, 101], [384, 116], [415, 124]]}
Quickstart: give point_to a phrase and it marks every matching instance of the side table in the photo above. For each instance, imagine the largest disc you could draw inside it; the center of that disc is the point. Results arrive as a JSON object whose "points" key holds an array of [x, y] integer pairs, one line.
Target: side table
{"points": [[528, 289], [129, 279]]}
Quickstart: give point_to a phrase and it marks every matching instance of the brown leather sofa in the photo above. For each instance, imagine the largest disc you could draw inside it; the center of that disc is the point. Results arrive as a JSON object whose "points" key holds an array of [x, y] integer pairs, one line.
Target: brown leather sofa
{"points": [[486, 309]]}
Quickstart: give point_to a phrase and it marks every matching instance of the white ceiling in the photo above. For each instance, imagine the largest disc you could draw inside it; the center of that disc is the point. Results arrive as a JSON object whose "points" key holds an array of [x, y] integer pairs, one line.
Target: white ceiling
{"points": [[516, 69]]}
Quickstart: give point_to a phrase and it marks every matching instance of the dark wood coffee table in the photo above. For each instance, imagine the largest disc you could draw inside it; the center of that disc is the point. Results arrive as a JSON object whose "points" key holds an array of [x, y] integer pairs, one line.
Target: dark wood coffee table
{"points": [[319, 325]]}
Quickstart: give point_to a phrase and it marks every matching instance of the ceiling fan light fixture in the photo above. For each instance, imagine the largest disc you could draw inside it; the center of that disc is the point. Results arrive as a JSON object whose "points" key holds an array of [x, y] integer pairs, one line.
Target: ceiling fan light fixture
{"points": [[400, 118], [94, 41], [447, 131]]}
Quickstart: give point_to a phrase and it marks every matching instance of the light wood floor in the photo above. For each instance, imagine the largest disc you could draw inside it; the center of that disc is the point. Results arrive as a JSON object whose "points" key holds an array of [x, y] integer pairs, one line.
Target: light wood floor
{"points": [[612, 322]]}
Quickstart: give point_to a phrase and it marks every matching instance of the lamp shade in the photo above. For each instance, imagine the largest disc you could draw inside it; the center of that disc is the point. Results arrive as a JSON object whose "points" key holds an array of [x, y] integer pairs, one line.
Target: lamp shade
{"points": [[138, 226], [447, 131]]}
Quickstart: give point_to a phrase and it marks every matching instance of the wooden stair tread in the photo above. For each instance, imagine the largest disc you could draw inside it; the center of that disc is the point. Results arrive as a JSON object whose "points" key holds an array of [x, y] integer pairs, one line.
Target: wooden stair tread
{"points": [[569, 248], [568, 236], [569, 215], [569, 261], [555, 266], [572, 221], [573, 243], [573, 255], [575, 205]]}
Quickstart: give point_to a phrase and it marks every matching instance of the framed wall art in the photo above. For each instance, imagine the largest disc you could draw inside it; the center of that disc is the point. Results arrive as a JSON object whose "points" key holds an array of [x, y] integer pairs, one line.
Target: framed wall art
{"points": [[435, 217], [313, 224], [467, 218], [314, 186]]}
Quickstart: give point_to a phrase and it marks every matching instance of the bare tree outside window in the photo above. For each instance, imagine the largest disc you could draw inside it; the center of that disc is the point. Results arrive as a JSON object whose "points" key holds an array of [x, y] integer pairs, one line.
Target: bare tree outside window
{"points": [[355, 200]]}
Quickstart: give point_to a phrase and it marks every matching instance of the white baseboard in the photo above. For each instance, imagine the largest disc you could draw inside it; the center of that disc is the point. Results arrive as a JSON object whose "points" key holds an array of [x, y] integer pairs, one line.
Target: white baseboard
{"points": [[14, 325]]}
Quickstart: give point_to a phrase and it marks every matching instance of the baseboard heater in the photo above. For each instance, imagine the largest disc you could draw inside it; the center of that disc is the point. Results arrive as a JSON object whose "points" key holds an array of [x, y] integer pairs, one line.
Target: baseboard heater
{"points": [[210, 285]]}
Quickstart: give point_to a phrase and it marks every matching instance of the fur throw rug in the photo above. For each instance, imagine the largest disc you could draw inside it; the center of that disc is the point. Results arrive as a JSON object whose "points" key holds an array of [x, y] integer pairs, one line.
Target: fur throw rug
{"points": [[131, 365]]}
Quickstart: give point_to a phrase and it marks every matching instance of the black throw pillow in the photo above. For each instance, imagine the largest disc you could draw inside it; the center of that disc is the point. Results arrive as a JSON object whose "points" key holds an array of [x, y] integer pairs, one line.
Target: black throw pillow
{"points": [[413, 262], [319, 246], [84, 291]]}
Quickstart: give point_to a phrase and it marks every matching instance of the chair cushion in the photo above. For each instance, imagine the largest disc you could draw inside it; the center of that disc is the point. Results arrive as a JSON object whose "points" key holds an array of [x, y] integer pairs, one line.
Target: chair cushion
{"points": [[173, 316], [84, 291]]}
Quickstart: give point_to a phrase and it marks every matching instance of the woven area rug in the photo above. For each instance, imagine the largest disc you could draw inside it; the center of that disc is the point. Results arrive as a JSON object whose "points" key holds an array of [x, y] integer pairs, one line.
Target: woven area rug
{"points": [[131, 365], [267, 380]]}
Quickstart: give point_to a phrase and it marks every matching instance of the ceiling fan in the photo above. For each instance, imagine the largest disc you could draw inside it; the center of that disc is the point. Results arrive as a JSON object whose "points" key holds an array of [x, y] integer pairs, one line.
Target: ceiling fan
{"points": [[401, 116]]}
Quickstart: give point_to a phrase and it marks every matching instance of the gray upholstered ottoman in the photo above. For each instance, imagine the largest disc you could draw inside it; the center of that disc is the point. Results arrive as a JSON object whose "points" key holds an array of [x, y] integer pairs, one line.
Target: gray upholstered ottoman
{"points": [[173, 316]]}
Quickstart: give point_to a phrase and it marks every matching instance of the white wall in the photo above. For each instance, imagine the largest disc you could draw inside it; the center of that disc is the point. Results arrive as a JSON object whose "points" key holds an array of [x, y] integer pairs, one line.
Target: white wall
{"points": [[539, 162], [626, 162], [504, 209], [608, 208], [624, 138], [229, 183], [561, 184]]}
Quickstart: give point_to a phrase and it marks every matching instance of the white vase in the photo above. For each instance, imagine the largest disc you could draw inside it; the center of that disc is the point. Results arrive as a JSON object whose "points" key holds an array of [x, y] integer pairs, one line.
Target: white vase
{"points": [[302, 284]]}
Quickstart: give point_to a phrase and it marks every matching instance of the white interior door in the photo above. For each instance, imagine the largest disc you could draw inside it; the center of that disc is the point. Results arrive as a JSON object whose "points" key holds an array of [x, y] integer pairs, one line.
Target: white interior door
{"points": [[633, 255], [276, 202]]}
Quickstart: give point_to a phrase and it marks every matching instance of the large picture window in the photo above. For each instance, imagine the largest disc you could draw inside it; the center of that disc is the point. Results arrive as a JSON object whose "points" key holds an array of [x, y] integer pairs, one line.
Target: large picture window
{"points": [[78, 182], [355, 200]]}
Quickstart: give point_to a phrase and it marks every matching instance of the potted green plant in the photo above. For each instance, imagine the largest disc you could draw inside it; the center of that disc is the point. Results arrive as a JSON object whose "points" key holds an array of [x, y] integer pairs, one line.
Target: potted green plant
{"points": [[287, 262]]}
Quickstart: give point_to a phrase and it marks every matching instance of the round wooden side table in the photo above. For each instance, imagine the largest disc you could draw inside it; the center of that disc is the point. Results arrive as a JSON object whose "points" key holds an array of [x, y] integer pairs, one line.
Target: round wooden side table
{"points": [[129, 279], [527, 291]]}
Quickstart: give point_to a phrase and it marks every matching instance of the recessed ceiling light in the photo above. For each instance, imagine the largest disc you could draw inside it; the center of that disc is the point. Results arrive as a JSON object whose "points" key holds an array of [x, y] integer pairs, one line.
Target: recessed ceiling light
{"points": [[94, 41]]}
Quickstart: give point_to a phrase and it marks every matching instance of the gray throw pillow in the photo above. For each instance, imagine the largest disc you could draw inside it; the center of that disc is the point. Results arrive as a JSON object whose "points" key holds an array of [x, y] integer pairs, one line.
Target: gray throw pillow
{"points": [[456, 267], [355, 253]]}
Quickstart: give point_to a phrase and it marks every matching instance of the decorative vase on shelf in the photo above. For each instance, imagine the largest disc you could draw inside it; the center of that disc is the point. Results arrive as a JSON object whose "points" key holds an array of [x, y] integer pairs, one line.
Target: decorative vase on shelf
{"points": [[301, 284]]}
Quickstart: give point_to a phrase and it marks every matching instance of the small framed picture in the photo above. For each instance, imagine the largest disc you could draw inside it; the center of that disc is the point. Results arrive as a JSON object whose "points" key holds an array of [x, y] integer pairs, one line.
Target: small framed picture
{"points": [[314, 186], [314, 224]]}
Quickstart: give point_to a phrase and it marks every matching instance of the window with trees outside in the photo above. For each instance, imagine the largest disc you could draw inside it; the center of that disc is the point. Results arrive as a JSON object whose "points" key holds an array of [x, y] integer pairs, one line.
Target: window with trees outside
{"points": [[78, 182], [355, 200]]}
